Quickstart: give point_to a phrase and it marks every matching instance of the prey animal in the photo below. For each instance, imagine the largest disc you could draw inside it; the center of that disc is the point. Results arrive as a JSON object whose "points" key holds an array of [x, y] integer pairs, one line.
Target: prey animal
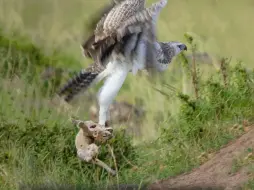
{"points": [[124, 41]]}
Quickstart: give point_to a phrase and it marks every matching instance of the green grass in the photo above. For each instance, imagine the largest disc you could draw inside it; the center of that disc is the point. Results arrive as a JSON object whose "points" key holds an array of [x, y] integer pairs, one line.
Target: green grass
{"points": [[37, 139]]}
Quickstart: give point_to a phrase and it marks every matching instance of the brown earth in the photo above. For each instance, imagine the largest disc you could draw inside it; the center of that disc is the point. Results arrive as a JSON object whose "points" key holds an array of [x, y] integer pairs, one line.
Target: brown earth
{"points": [[217, 172]]}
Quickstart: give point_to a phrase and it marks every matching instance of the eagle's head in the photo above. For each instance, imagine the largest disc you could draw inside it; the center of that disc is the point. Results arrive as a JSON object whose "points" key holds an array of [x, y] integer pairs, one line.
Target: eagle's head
{"points": [[169, 50], [174, 48]]}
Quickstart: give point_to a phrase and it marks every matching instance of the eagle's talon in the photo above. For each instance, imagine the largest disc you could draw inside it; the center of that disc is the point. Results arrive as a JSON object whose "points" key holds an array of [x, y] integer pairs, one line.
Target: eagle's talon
{"points": [[102, 134], [109, 129]]}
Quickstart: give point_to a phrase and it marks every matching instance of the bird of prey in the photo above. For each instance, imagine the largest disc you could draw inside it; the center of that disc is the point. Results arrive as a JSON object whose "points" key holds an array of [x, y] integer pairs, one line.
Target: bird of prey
{"points": [[123, 41]]}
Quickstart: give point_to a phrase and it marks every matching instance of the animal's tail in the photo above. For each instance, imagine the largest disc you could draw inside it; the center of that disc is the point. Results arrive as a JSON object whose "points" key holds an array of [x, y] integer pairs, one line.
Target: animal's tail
{"points": [[82, 81]]}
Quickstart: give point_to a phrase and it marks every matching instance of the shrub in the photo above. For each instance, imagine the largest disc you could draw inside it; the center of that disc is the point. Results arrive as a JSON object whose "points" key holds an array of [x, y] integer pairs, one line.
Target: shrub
{"points": [[227, 96]]}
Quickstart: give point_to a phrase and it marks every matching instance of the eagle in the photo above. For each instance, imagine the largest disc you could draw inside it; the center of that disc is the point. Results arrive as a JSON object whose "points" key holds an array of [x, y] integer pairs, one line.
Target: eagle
{"points": [[123, 40]]}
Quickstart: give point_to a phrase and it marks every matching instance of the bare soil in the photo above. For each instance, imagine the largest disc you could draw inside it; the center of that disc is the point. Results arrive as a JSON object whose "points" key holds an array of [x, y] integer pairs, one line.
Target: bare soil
{"points": [[215, 173]]}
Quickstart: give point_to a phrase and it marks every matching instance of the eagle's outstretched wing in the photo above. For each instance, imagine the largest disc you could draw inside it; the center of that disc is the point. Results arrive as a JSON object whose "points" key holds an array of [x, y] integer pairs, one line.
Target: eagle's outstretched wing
{"points": [[97, 16], [112, 17], [94, 22], [123, 10], [126, 18]]}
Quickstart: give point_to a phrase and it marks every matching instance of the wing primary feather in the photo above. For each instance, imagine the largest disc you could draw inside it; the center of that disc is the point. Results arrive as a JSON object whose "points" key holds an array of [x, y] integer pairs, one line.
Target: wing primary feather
{"points": [[142, 18], [139, 22], [96, 25]]}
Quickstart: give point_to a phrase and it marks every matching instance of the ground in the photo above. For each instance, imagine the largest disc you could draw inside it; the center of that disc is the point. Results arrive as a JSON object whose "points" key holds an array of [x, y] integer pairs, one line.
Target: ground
{"points": [[217, 172]]}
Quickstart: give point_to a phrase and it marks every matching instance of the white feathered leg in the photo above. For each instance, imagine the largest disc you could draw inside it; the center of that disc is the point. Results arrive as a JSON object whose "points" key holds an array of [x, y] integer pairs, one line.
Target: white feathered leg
{"points": [[113, 83]]}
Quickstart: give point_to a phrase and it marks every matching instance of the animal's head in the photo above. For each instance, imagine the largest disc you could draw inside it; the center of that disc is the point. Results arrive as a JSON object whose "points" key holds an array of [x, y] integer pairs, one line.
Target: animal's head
{"points": [[173, 48], [177, 47], [169, 51]]}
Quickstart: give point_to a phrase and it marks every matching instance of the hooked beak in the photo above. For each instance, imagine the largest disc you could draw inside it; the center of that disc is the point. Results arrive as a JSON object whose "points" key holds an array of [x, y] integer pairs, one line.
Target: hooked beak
{"points": [[182, 47]]}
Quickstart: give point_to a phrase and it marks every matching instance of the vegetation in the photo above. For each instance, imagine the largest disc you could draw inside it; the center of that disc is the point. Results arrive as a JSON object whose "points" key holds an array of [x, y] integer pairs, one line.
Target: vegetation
{"points": [[190, 109], [245, 160]]}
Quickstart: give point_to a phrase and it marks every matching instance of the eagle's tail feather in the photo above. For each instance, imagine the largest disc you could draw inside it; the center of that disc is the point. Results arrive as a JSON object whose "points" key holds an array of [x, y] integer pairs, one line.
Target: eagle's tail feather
{"points": [[79, 83]]}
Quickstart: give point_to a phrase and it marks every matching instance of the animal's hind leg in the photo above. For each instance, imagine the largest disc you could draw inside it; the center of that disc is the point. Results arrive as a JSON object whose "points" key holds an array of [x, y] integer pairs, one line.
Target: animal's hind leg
{"points": [[108, 92]]}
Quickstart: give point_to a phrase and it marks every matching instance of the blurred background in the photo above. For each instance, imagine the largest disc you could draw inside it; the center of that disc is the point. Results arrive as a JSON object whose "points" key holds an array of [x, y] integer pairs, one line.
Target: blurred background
{"points": [[221, 28], [57, 28], [224, 27]]}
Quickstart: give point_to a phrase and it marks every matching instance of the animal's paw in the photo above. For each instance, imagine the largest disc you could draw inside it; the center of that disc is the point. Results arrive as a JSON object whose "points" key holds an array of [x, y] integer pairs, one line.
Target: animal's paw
{"points": [[88, 154]]}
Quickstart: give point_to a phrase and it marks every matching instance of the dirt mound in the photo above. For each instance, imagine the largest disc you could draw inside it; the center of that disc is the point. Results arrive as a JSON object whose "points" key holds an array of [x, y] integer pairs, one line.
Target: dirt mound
{"points": [[217, 172]]}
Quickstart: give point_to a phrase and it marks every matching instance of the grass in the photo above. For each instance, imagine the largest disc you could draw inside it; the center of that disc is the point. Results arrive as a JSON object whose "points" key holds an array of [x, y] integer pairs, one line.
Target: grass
{"points": [[249, 185], [182, 122], [245, 160]]}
